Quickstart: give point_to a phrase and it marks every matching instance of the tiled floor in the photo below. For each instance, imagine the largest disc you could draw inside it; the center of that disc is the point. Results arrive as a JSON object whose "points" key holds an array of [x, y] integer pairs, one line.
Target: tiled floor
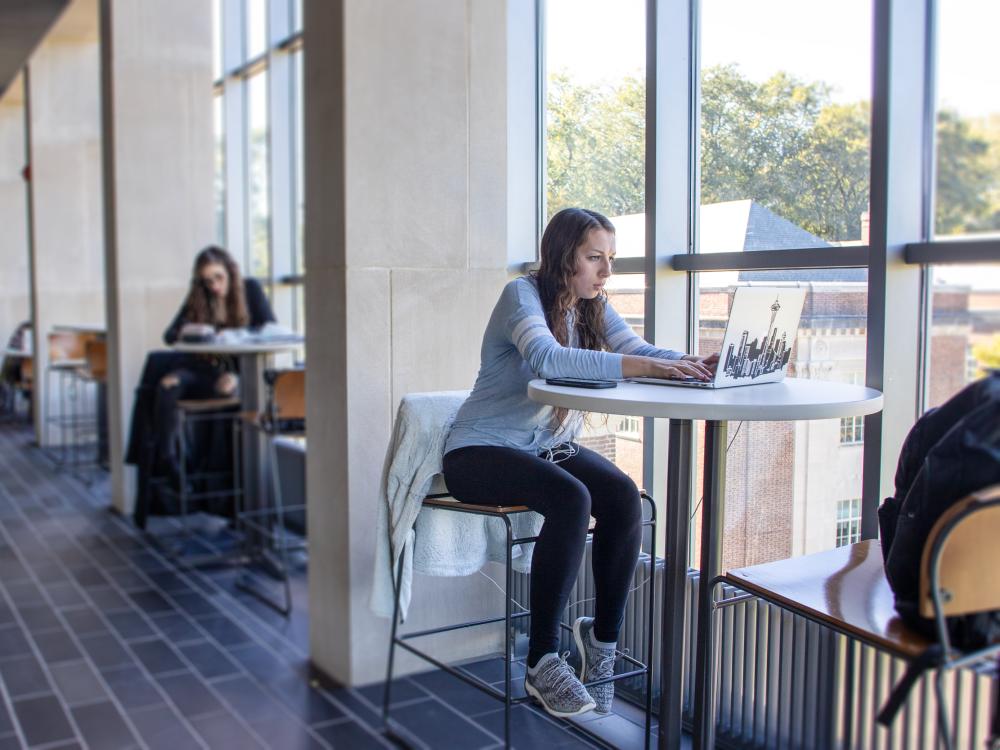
{"points": [[106, 644]]}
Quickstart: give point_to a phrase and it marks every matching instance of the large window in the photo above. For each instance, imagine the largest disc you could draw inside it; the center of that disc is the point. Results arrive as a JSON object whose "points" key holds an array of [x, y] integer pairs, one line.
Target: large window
{"points": [[785, 112], [968, 119], [848, 522], [258, 160]]}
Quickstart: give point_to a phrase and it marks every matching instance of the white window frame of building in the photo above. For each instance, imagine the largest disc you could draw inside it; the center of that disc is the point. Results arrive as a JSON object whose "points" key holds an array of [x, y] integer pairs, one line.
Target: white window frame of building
{"points": [[852, 430], [848, 522]]}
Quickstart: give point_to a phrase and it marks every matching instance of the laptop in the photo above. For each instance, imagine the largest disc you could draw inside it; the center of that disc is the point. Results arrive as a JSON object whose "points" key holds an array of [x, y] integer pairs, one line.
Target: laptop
{"points": [[758, 342]]}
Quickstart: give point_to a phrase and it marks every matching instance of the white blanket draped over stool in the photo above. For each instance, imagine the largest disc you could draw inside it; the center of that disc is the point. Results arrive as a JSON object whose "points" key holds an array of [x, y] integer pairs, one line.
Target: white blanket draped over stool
{"points": [[432, 542]]}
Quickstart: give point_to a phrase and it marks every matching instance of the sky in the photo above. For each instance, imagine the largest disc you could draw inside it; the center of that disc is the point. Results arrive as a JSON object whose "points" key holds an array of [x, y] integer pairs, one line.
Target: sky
{"points": [[813, 40]]}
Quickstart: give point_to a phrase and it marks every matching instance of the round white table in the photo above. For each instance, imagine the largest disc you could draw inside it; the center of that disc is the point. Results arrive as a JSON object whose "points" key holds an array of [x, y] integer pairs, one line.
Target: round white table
{"points": [[791, 399]]}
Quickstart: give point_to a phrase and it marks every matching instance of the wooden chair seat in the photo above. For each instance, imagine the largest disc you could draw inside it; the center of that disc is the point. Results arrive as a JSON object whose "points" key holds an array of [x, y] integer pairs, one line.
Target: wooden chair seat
{"points": [[843, 588], [450, 503], [202, 405]]}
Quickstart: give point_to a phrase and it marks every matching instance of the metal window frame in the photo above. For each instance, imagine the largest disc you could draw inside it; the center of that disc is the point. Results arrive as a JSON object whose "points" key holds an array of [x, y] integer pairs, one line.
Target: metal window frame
{"points": [[672, 190]]}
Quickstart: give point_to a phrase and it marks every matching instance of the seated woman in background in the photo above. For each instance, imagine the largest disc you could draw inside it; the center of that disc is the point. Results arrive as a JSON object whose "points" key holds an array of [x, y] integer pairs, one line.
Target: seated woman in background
{"points": [[218, 298], [505, 449]]}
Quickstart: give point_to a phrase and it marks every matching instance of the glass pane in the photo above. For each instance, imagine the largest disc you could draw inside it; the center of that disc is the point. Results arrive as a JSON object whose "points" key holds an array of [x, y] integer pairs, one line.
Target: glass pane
{"points": [[219, 182], [259, 195], [965, 328], [785, 119], [784, 480], [256, 27], [296, 15], [216, 39], [299, 166], [968, 119], [595, 112], [620, 438]]}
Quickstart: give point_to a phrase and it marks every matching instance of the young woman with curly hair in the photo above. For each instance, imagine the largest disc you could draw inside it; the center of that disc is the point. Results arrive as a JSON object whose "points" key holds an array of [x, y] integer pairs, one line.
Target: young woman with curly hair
{"points": [[506, 449]]}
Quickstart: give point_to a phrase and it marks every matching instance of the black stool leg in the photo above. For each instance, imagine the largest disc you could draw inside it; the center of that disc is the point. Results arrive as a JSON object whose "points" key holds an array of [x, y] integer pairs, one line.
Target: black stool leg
{"points": [[387, 692], [508, 632], [649, 619]]}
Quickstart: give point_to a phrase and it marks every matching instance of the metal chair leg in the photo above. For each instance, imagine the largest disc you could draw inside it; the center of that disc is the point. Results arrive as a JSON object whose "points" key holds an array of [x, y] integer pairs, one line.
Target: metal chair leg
{"points": [[387, 691]]}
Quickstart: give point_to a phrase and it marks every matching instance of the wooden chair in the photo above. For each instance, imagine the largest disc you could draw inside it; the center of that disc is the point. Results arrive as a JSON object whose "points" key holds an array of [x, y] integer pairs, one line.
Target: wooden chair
{"points": [[265, 525], [845, 589], [67, 354]]}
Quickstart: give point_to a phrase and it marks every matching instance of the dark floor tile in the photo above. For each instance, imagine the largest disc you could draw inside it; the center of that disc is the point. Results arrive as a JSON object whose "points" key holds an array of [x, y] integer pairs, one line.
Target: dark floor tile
{"points": [[151, 602], [306, 702], [162, 729], [107, 599], [77, 682], [64, 594], [148, 562], [49, 573], [247, 699], [225, 632], [190, 694], [433, 723], [40, 617], [177, 628], [259, 661], [464, 698], [403, 690], [132, 688], [88, 576], [350, 734], [369, 713], [106, 651], [529, 729], [12, 570], [130, 625], [24, 593], [128, 578], [170, 582], [195, 605], [42, 720], [158, 656], [56, 646], [10, 742], [102, 726], [85, 621], [6, 722], [12, 642], [492, 670], [222, 731], [23, 675], [6, 614], [208, 660], [287, 735]]}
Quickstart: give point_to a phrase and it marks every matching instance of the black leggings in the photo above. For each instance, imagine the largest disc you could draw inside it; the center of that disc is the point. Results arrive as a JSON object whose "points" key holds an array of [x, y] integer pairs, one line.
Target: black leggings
{"points": [[567, 494]]}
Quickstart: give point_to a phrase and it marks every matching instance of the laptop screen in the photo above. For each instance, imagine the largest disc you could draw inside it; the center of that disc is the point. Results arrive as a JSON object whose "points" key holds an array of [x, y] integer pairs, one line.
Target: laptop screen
{"points": [[762, 326]]}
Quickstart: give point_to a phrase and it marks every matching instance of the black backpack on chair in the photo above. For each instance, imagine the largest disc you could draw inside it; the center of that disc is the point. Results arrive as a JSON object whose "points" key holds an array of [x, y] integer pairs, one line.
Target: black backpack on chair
{"points": [[951, 452]]}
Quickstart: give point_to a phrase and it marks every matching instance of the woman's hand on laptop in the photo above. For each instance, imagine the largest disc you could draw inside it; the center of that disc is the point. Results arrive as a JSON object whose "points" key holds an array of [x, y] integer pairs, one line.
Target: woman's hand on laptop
{"points": [[711, 361], [671, 369]]}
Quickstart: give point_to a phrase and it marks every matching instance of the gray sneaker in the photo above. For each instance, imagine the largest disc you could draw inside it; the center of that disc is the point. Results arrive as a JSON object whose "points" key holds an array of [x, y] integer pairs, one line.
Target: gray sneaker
{"points": [[595, 664], [555, 686]]}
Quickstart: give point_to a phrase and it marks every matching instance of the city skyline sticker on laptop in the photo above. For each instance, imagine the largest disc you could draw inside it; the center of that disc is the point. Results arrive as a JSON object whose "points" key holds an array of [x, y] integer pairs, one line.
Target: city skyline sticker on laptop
{"points": [[757, 346]]}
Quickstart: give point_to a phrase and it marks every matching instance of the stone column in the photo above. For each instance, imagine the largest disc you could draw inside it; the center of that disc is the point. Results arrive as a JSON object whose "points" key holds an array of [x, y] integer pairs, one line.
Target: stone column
{"points": [[406, 252], [65, 155], [15, 305], [156, 93]]}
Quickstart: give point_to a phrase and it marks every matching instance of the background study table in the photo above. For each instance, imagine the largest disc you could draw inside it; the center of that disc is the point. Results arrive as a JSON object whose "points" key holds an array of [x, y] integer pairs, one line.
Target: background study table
{"points": [[792, 399], [253, 358]]}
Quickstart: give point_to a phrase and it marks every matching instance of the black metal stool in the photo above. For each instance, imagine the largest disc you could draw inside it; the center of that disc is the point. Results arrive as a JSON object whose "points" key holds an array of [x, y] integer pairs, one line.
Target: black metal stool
{"points": [[504, 513]]}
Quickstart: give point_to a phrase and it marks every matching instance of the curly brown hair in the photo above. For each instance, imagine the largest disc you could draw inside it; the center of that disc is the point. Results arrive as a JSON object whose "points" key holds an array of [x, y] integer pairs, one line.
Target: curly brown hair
{"points": [[566, 231], [199, 306]]}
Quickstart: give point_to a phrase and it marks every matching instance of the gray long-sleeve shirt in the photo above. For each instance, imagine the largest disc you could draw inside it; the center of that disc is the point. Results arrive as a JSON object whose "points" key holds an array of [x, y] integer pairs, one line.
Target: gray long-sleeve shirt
{"points": [[518, 347]]}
